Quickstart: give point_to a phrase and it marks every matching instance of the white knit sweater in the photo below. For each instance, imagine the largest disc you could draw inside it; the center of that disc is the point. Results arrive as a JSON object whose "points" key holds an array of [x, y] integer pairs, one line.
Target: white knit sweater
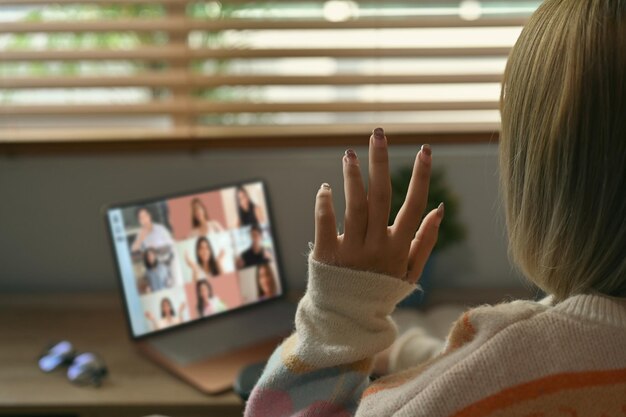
{"points": [[516, 359]]}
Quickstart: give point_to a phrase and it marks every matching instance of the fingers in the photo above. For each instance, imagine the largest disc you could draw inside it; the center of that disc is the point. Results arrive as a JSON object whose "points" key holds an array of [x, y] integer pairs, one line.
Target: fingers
{"points": [[379, 190], [423, 243], [325, 226], [356, 199], [409, 216]]}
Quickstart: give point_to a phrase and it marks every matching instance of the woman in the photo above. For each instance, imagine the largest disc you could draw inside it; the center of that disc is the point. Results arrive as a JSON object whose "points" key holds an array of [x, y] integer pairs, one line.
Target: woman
{"points": [[562, 154], [201, 224], [207, 264], [265, 281], [249, 213], [157, 273], [168, 315], [150, 234], [207, 303]]}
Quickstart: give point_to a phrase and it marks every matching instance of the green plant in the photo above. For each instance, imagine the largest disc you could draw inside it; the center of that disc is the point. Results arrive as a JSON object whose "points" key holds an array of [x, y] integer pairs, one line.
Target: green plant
{"points": [[451, 230]]}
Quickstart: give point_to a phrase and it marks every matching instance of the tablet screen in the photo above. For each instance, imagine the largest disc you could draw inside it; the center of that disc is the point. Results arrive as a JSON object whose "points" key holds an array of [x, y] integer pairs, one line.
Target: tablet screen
{"points": [[189, 257]]}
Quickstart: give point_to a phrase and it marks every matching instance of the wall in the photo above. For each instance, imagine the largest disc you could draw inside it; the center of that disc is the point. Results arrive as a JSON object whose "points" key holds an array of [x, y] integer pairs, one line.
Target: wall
{"points": [[52, 234]]}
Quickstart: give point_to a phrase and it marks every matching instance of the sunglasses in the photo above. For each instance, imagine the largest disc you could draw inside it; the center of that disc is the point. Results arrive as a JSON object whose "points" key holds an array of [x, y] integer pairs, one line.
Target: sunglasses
{"points": [[83, 368]]}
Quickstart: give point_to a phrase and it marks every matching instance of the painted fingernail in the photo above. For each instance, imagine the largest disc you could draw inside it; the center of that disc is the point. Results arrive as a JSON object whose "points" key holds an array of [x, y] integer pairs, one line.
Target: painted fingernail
{"points": [[440, 212], [426, 153], [325, 186], [379, 136], [351, 156]]}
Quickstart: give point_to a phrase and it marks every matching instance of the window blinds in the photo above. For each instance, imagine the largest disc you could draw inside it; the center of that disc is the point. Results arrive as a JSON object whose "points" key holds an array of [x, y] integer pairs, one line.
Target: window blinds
{"points": [[176, 69]]}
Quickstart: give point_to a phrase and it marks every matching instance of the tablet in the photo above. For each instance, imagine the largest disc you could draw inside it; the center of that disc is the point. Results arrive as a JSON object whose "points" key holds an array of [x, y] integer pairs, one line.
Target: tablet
{"points": [[190, 257]]}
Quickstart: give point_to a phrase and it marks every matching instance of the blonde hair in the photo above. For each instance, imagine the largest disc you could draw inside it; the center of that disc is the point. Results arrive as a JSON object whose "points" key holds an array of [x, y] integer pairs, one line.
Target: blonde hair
{"points": [[563, 147]]}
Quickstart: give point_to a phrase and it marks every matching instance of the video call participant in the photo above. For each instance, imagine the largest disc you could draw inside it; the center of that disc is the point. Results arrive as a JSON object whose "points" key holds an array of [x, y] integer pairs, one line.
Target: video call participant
{"points": [[201, 224], [250, 214], [265, 281], [151, 234], [168, 315], [207, 264], [158, 273], [256, 253], [207, 302]]}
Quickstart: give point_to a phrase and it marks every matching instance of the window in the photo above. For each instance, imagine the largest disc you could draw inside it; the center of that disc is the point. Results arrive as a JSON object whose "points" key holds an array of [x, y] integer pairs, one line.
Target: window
{"points": [[177, 69]]}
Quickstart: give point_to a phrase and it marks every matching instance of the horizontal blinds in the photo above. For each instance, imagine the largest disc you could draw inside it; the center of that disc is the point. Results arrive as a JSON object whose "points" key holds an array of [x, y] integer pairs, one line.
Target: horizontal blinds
{"points": [[129, 69]]}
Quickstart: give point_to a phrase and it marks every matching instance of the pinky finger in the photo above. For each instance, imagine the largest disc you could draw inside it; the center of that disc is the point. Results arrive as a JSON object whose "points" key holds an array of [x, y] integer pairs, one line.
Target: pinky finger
{"points": [[423, 243], [325, 226]]}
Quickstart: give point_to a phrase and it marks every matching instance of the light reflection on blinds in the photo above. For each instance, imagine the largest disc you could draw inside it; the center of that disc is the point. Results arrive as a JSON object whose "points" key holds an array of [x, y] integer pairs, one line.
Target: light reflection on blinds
{"points": [[183, 69]]}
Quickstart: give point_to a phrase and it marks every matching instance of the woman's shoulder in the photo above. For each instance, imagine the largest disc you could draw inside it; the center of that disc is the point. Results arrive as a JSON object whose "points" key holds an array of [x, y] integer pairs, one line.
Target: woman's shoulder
{"points": [[484, 321], [538, 318], [499, 315]]}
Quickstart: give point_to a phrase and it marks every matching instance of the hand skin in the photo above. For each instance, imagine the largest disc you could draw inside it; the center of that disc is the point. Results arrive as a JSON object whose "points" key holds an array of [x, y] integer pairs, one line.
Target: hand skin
{"points": [[367, 243]]}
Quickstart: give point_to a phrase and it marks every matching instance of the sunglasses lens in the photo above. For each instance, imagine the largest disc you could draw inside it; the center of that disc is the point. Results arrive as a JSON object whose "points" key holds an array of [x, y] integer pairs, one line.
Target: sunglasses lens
{"points": [[58, 354], [86, 368]]}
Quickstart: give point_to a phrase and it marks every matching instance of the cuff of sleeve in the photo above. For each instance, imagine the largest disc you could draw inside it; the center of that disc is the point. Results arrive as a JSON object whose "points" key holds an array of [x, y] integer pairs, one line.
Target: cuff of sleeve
{"points": [[360, 295], [344, 316]]}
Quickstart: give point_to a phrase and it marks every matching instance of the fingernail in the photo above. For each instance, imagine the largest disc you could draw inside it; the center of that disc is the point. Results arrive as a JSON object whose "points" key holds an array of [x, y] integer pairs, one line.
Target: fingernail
{"points": [[379, 136], [351, 156], [440, 211], [426, 153], [325, 186]]}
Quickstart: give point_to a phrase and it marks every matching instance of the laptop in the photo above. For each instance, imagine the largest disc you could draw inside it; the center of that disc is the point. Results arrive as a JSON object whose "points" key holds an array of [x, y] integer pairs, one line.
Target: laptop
{"points": [[201, 281]]}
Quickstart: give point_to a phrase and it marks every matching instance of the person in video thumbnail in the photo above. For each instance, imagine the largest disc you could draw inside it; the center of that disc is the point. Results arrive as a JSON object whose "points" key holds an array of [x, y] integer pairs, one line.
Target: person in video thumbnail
{"points": [[168, 315], [256, 254], [200, 221], [250, 214], [157, 272], [207, 302], [265, 281], [207, 264], [151, 234]]}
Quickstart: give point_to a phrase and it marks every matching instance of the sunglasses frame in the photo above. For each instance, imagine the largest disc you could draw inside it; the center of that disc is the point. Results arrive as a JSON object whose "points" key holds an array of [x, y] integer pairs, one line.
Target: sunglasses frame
{"points": [[87, 376]]}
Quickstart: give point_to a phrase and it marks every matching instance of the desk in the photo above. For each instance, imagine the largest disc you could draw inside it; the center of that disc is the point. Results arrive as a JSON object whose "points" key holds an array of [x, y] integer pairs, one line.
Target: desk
{"points": [[135, 386], [96, 323]]}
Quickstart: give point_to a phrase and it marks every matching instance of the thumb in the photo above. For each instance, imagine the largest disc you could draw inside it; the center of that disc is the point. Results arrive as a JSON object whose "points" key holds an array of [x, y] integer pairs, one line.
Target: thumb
{"points": [[325, 225]]}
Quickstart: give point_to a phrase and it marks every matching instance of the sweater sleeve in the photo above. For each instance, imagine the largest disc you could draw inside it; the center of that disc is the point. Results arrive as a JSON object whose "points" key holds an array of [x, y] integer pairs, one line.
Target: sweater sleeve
{"points": [[413, 348], [323, 368]]}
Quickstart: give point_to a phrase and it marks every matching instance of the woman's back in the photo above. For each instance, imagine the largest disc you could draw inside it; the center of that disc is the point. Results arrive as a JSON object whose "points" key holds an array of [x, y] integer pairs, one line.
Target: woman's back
{"points": [[519, 358]]}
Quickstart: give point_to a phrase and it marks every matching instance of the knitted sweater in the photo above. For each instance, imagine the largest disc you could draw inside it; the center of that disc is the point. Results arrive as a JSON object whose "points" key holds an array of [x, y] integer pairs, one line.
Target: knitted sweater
{"points": [[516, 359]]}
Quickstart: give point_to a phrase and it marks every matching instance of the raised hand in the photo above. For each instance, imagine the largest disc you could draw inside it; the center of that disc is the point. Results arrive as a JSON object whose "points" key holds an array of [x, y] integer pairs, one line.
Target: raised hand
{"points": [[190, 263], [367, 243], [141, 236]]}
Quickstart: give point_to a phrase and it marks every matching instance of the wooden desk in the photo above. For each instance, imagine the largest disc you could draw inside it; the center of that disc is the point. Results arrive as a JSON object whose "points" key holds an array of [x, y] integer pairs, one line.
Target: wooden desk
{"points": [[135, 386], [93, 323]]}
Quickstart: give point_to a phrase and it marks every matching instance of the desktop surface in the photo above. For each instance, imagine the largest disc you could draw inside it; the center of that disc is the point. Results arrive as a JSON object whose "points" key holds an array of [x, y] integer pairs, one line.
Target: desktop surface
{"points": [[93, 323]]}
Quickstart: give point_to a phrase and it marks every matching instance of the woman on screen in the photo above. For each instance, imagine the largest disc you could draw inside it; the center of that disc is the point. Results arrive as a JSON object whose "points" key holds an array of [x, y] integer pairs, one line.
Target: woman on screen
{"points": [[207, 264], [265, 281], [207, 302], [201, 223], [168, 315], [250, 214], [151, 234], [158, 273]]}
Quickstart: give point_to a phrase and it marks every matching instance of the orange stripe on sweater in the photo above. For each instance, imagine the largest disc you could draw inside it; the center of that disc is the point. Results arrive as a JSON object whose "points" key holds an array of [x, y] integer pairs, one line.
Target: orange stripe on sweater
{"points": [[541, 387], [463, 332]]}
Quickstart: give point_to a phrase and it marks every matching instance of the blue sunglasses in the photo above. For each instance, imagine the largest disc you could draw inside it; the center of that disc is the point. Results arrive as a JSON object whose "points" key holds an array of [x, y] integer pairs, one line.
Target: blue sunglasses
{"points": [[83, 368]]}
